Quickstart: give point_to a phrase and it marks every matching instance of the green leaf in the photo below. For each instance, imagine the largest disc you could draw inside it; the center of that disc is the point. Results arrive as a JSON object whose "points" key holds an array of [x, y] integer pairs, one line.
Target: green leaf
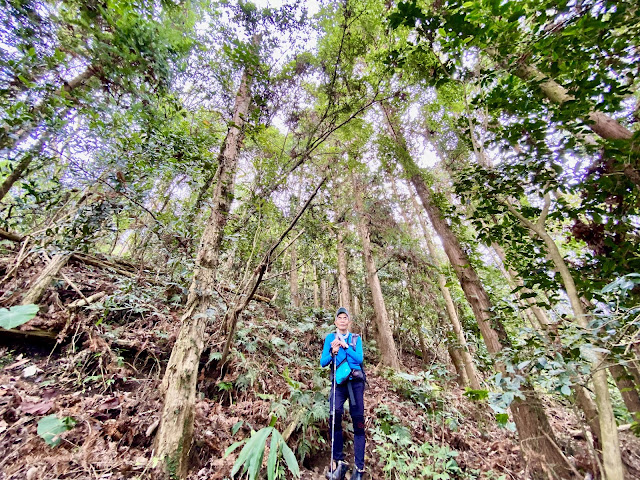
{"points": [[50, 427], [248, 456], [290, 460], [273, 456], [236, 427], [18, 315], [231, 448], [256, 458]]}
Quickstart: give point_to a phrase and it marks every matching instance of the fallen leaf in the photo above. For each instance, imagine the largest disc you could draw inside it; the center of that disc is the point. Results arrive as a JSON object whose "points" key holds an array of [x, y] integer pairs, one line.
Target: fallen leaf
{"points": [[109, 404], [39, 408]]}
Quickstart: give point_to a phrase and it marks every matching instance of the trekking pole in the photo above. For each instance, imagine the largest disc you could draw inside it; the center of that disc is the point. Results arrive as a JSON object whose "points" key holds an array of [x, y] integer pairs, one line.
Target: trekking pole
{"points": [[333, 410]]}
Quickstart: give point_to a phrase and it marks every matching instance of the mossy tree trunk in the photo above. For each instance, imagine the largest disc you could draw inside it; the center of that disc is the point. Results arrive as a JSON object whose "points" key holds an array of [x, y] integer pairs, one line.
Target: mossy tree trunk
{"points": [[175, 432]]}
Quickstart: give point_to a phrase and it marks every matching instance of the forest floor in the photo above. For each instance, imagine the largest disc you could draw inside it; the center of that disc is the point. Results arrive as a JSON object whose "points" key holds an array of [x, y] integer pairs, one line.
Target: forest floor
{"points": [[101, 366]]}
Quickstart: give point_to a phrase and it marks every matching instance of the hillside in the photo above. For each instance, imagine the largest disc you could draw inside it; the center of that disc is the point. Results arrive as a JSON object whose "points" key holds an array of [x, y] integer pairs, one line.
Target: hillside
{"points": [[101, 367]]}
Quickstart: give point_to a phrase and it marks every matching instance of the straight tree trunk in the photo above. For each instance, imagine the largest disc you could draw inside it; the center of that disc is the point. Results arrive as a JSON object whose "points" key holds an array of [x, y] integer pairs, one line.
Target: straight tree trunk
{"points": [[467, 360], [175, 432], [324, 293], [385, 335], [42, 282], [316, 289], [293, 277], [458, 364], [536, 435], [343, 272], [612, 459]]}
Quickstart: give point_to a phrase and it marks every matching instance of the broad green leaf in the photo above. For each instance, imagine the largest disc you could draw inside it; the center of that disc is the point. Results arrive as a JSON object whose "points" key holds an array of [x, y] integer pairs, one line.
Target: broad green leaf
{"points": [[236, 427], [255, 460], [232, 447], [273, 456], [290, 459], [18, 315], [51, 426]]}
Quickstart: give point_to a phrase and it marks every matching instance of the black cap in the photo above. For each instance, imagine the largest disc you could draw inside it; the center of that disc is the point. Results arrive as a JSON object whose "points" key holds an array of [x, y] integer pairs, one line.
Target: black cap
{"points": [[342, 310]]}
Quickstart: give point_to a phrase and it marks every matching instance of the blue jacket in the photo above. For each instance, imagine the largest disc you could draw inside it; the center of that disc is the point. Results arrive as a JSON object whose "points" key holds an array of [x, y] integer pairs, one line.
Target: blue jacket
{"points": [[353, 355]]}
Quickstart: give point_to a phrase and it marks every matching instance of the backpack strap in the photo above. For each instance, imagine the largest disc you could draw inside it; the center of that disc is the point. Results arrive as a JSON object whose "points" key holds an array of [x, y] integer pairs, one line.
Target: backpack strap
{"points": [[354, 339]]}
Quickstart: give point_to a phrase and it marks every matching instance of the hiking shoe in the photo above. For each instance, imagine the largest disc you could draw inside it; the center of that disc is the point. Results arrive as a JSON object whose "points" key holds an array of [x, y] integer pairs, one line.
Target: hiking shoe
{"points": [[339, 473], [357, 474]]}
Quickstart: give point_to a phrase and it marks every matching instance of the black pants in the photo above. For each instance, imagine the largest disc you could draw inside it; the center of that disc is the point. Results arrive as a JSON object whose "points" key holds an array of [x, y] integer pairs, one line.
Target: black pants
{"points": [[357, 415]]}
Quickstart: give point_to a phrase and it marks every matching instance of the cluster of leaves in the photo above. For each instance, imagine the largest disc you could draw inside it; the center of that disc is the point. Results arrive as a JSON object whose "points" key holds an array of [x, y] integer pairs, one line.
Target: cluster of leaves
{"points": [[404, 459]]}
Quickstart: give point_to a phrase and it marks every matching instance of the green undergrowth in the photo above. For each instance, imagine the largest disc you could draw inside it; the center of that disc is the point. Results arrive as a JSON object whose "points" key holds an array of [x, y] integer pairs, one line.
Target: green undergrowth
{"points": [[276, 358]]}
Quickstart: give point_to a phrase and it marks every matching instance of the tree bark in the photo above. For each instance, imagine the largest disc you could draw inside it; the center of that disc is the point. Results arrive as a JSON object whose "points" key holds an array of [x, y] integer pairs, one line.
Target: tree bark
{"points": [[20, 168], [385, 335], [316, 289], [458, 364], [612, 460], [293, 277], [39, 287], [343, 272], [324, 293], [627, 388], [450, 307], [175, 432]]}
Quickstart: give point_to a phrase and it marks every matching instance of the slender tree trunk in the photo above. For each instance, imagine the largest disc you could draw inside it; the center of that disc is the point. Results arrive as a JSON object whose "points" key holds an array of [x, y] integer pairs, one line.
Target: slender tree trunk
{"points": [[175, 433], [627, 388], [385, 335], [612, 460], [293, 277], [536, 435], [42, 282], [343, 271], [458, 364], [202, 193], [21, 167], [324, 293], [316, 289]]}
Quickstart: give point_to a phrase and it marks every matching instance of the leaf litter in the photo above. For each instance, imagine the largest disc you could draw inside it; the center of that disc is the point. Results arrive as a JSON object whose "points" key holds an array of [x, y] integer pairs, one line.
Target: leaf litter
{"points": [[104, 374]]}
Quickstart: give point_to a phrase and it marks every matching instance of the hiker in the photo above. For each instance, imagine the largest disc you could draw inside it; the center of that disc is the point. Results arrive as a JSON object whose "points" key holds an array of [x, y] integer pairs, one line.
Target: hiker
{"points": [[343, 351]]}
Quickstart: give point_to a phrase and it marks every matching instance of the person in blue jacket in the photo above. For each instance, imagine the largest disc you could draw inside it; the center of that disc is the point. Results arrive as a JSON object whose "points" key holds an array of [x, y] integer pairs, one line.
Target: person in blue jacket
{"points": [[338, 346]]}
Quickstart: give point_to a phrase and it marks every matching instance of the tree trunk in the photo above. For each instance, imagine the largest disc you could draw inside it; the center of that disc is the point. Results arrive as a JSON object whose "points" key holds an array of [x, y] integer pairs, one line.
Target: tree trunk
{"points": [[22, 165], [450, 307], [613, 467], [293, 278], [627, 388], [536, 436], [458, 364], [39, 287], [316, 289], [385, 335], [601, 124], [324, 293], [343, 272], [175, 433]]}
